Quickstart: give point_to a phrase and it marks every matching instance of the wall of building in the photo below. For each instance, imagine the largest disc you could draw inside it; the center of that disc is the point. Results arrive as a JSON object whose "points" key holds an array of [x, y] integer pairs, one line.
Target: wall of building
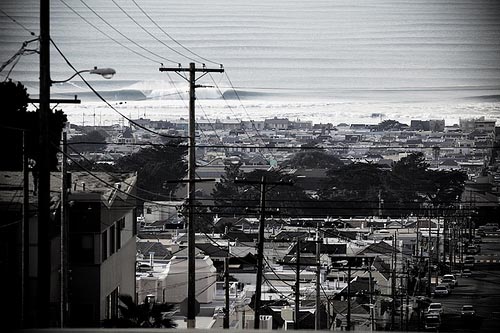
{"points": [[118, 271]]}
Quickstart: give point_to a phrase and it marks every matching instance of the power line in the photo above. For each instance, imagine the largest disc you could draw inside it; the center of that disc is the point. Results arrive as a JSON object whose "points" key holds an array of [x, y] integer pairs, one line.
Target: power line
{"points": [[169, 36], [17, 22], [108, 36], [279, 147], [149, 33], [231, 109], [125, 36], [107, 103]]}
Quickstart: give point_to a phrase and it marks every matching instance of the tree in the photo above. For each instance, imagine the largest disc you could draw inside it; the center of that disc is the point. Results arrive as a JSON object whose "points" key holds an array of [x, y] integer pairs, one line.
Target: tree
{"points": [[231, 198], [16, 120], [93, 141], [145, 315], [158, 169], [354, 189], [227, 190], [314, 159], [389, 124], [359, 188]]}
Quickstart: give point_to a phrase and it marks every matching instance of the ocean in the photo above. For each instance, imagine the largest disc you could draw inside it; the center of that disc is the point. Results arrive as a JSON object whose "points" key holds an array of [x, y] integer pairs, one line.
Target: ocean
{"points": [[321, 60]]}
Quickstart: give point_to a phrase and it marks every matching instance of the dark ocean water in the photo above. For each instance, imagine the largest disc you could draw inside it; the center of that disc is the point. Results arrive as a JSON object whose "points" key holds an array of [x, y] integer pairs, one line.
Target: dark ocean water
{"points": [[337, 60]]}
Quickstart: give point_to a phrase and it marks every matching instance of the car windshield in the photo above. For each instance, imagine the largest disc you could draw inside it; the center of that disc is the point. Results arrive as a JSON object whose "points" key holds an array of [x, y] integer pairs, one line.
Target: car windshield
{"points": [[467, 308]]}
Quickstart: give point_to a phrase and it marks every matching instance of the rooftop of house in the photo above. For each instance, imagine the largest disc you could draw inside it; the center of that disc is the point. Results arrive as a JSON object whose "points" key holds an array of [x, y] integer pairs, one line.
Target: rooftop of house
{"points": [[107, 185]]}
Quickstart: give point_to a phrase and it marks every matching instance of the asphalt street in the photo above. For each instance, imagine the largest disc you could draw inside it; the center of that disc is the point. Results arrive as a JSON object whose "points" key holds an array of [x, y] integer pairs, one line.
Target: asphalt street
{"points": [[482, 290]]}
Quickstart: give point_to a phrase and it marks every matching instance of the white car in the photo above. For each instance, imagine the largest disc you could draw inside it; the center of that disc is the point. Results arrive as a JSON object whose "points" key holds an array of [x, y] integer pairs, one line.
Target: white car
{"points": [[451, 276], [441, 290], [435, 308]]}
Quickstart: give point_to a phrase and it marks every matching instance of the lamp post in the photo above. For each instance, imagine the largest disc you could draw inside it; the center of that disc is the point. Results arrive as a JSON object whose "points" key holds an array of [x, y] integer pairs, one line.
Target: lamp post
{"points": [[106, 73]]}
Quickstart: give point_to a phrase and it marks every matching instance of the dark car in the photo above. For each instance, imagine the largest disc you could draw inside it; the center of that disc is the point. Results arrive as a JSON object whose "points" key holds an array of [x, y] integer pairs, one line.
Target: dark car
{"points": [[468, 311]]}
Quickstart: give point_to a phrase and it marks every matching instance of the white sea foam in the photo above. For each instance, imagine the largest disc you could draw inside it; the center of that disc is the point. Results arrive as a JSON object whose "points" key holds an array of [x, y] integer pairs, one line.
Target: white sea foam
{"points": [[328, 61]]}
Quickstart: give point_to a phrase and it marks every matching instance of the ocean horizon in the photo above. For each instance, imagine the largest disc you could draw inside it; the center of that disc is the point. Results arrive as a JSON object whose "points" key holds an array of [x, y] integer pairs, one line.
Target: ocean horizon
{"points": [[324, 61]]}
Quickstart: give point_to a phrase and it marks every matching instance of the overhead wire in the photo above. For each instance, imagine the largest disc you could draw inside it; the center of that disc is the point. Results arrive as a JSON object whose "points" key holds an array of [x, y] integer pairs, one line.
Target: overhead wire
{"points": [[169, 36], [125, 36], [109, 36], [149, 33], [17, 22], [109, 104], [231, 109], [22, 51]]}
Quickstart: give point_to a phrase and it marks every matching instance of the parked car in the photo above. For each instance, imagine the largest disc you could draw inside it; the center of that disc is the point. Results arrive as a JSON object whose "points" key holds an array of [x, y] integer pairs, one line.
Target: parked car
{"points": [[441, 290], [435, 308], [468, 311]]}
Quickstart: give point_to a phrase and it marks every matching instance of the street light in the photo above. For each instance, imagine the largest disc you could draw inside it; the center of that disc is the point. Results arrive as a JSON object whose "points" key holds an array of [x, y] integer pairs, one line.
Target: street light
{"points": [[106, 73]]}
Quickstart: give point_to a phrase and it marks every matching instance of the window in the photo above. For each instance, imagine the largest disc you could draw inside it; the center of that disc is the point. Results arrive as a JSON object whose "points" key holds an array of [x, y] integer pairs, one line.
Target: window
{"points": [[112, 304], [119, 234], [104, 242], [112, 246], [82, 248]]}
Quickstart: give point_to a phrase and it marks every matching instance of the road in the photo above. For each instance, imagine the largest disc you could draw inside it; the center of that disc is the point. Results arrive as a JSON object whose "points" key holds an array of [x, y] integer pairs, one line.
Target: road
{"points": [[482, 290]]}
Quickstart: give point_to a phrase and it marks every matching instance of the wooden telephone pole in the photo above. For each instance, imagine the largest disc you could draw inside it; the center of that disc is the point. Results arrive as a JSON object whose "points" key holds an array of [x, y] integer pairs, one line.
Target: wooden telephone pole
{"points": [[43, 261], [260, 248], [191, 309]]}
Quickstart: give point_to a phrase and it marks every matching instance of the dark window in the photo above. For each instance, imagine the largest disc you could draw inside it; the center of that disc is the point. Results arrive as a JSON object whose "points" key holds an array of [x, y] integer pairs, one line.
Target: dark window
{"points": [[82, 248], [112, 304], [112, 246], [85, 217], [104, 245], [118, 235]]}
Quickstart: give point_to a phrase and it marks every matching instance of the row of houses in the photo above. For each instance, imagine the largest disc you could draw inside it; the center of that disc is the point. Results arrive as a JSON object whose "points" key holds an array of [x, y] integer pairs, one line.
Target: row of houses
{"points": [[111, 251], [376, 248], [466, 146]]}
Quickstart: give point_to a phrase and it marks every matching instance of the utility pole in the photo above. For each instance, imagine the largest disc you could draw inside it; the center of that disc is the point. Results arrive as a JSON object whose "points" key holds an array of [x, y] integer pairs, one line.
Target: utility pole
{"points": [[44, 220], [393, 283], [226, 292], [191, 309], [317, 322], [25, 236], [407, 314], [297, 285], [429, 254], [64, 232], [372, 306], [260, 248], [348, 327], [43, 264]]}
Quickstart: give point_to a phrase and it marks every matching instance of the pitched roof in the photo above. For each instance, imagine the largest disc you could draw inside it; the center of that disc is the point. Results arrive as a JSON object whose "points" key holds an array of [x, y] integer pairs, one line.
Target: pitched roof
{"points": [[241, 236], [160, 250], [382, 268], [212, 250], [310, 247], [379, 248]]}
